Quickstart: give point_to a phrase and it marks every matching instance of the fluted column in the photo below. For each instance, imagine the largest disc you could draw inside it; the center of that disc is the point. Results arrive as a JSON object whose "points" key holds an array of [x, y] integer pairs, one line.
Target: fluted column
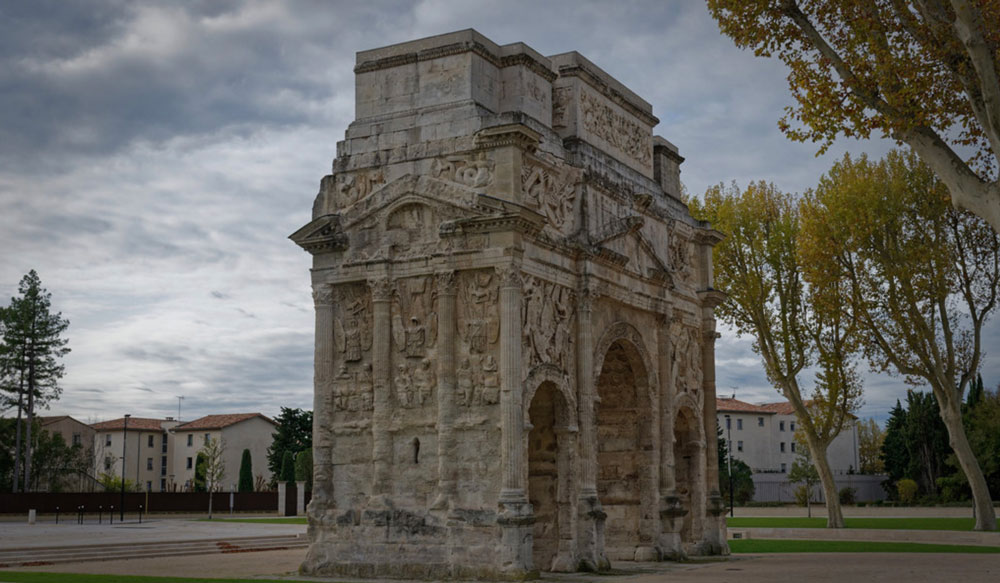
{"points": [[446, 294], [381, 290], [664, 343], [323, 374], [511, 406], [715, 537], [585, 378]]}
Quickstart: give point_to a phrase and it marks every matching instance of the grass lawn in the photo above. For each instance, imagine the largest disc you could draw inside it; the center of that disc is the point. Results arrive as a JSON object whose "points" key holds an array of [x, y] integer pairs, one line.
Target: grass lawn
{"points": [[284, 520], [23, 577], [848, 546], [876, 523]]}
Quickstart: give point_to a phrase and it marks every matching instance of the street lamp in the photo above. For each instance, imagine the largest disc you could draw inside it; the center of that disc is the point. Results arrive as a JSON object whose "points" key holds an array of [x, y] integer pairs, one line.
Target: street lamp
{"points": [[729, 451], [121, 506]]}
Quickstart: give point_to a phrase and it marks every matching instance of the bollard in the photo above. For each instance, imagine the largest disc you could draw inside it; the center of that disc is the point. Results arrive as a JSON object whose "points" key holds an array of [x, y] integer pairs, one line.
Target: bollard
{"points": [[140, 514], [32, 514], [111, 515], [79, 514], [57, 515], [100, 514]]}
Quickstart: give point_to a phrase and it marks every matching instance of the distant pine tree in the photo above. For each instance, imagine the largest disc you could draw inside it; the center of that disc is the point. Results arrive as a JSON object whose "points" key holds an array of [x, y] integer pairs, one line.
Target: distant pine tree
{"points": [[287, 467], [246, 473]]}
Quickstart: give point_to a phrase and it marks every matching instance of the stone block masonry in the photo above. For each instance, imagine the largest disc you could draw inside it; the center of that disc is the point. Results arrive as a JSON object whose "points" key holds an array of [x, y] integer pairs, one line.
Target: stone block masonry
{"points": [[514, 365]]}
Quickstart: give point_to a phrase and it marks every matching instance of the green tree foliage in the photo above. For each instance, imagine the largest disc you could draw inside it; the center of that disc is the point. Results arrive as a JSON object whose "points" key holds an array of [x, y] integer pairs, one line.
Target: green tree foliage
{"points": [[975, 394], [199, 473], [30, 350], [982, 425], [794, 325], [246, 472], [304, 467], [58, 465], [287, 467], [214, 466], [803, 472], [113, 483], [293, 434], [923, 72], [916, 443], [870, 440], [743, 486], [918, 277], [907, 490]]}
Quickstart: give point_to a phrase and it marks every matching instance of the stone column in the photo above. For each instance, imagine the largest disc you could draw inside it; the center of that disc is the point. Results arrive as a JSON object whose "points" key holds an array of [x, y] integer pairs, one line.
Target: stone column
{"points": [[714, 534], [516, 515], [590, 515], [446, 294], [323, 375], [381, 290], [671, 509]]}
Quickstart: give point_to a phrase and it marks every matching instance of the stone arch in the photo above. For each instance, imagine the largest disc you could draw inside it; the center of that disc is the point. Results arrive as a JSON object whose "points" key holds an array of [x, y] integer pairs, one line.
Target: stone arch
{"points": [[551, 449], [689, 464], [627, 446]]}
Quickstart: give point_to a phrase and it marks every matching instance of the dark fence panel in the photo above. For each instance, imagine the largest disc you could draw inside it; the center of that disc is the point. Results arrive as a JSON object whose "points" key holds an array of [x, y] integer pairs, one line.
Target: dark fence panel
{"points": [[47, 502]]}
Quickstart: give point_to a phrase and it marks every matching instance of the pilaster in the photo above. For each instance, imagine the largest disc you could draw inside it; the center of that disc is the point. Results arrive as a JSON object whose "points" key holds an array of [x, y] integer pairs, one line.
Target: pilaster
{"points": [[323, 373], [447, 329], [381, 290]]}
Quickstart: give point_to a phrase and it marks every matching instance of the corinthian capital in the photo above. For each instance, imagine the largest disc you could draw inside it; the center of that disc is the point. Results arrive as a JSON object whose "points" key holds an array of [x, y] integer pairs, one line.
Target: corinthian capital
{"points": [[322, 295], [510, 275], [381, 288]]}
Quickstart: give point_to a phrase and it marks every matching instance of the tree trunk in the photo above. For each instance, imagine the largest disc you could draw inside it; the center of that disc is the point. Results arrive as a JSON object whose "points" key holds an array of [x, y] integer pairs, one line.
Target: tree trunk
{"points": [[17, 441], [986, 518], [210, 502], [835, 517], [31, 419]]}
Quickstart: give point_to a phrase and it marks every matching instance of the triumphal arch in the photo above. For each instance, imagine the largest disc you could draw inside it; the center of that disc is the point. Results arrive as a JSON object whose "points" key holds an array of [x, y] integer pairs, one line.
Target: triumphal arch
{"points": [[514, 366]]}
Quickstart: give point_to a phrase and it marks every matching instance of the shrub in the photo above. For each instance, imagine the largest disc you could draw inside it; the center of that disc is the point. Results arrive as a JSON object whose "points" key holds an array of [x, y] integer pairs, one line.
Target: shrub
{"points": [[907, 490], [802, 495], [847, 495]]}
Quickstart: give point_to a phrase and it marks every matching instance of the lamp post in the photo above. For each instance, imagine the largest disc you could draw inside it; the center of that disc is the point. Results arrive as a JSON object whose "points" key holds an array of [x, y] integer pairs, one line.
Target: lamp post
{"points": [[729, 451], [121, 506]]}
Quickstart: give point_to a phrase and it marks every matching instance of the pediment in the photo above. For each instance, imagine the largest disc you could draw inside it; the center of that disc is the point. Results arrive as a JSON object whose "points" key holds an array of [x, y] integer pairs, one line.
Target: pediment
{"points": [[450, 201], [321, 234]]}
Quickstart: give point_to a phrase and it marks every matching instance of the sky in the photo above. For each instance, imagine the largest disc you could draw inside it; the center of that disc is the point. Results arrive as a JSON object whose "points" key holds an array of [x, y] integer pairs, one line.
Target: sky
{"points": [[155, 156]]}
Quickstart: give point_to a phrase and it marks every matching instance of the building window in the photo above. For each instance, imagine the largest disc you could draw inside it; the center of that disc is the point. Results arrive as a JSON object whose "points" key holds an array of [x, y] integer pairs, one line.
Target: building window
{"points": [[149, 486], [149, 441], [189, 463], [784, 468], [190, 439], [781, 425], [760, 422], [793, 447], [77, 440], [163, 449], [739, 425], [107, 439], [149, 463], [729, 423], [208, 438], [163, 484], [782, 447], [739, 446], [791, 426], [163, 466], [107, 463]]}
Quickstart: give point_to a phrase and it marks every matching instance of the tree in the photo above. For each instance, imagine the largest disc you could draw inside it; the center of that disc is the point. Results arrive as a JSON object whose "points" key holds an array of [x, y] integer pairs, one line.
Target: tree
{"points": [[922, 72], [29, 361], [793, 325], [975, 394], [199, 473], [287, 467], [56, 462], [870, 440], [982, 424], [804, 471], [215, 467], [918, 277], [246, 472], [895, 456], [294, 433], [304, 467], [743, 486]]}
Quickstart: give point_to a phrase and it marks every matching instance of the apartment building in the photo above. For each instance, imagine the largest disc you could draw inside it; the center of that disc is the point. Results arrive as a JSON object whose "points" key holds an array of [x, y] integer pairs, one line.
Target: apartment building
{"points": [[763, 437], [136, 447], [238, 431]]}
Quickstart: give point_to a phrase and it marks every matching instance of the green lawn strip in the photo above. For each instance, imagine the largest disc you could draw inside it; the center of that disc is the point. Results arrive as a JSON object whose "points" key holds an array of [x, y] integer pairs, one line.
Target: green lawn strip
{"points": [[34, 577], [287, 520], [847, 546], [955, 523]]}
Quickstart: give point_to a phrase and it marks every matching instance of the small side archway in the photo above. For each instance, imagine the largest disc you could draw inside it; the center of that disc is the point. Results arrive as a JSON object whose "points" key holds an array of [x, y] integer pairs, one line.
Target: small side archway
{"points": [[689, 465]]}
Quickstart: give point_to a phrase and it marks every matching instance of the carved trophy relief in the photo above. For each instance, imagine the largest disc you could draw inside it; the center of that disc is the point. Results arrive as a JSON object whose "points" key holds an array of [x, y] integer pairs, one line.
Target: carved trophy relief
{"points": [[352, 322], [414, 384], [681, 253], [560, 101], [473, 172], [352, 390], [547, 323], [600, 119], [552, 193], [478, 315], [355, 186], [414, 321], [477, 381], [685, 357]]}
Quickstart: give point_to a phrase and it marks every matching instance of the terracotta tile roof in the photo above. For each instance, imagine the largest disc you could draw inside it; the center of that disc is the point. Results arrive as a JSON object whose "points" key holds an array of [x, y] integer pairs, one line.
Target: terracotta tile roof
{"points": [[782, 407], [51, 419], [134, 424], [736, 406], [220, 421]]}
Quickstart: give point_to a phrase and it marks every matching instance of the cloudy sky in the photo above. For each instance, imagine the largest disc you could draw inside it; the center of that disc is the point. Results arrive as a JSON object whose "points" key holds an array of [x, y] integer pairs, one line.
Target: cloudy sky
{"points": [[155, 156]]}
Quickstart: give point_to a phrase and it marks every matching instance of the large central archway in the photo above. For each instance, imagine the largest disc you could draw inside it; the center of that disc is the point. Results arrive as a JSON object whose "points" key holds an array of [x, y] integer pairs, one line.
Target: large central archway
{"points": [[626, 453]]}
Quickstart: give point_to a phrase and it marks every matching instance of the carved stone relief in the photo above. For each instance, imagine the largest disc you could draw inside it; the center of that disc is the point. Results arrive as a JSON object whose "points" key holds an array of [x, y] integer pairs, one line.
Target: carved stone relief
{"points": [[352, 322], [414, 384], [552, 193], [681, 252], [560, 101], [478, 317], [686, 357], [472, 172], [414, 321], [351, 188], [352, 391], [478, 381], [547, 323], [616, 129]]}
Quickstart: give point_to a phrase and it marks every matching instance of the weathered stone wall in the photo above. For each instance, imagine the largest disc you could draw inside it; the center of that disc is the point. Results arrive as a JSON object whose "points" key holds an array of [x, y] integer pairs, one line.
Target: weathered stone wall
{"points": [[514, 330]]}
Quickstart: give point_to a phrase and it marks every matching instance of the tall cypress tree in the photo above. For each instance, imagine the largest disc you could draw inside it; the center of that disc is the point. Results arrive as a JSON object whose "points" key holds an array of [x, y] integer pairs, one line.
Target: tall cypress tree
{"points": [[29, 359], [246, 472]]}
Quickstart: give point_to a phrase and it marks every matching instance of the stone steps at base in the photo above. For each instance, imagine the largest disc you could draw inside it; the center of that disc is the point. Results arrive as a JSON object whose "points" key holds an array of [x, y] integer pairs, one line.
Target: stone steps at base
{"points": [[89, 553]]}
